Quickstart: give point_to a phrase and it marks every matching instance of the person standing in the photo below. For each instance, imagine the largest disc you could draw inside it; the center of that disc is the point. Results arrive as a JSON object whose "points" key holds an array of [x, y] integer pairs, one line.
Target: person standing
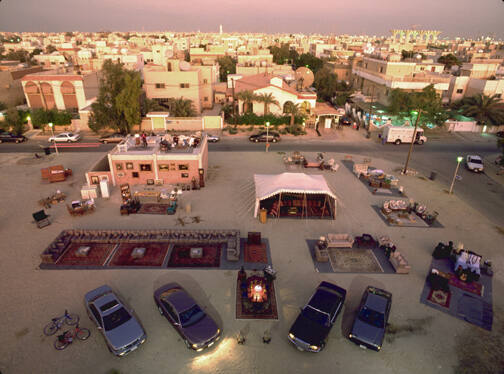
{"points": [[144, 139]]}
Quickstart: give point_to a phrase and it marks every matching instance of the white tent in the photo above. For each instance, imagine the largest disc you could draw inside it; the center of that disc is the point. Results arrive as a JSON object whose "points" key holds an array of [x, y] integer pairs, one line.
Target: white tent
{"points": [[269, 185]]}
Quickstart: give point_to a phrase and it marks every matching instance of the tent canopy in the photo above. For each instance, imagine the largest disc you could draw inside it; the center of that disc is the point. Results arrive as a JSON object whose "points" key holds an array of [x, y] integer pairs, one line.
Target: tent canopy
{"points": [[268, 185]]}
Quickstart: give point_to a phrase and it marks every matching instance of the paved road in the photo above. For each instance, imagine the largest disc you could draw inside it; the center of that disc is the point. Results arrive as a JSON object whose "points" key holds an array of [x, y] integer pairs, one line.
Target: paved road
{"points": [[478, 190]]}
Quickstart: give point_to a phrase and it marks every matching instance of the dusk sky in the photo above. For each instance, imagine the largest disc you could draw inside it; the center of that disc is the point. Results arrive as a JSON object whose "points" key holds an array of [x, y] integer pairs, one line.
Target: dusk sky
{"points": [[466, 18]]}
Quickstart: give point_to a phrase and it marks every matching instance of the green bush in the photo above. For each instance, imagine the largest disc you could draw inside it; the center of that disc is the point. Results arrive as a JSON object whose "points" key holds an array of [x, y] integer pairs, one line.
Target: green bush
{"points": [[41, 117], [233, 130]]}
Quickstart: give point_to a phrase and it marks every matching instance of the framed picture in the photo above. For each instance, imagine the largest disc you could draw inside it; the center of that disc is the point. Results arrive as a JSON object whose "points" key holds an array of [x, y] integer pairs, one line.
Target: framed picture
{"points": [[95, 179], [145, 167], [164, 167], [150, 182], [185, 175], [119, 166], [134, 174], [129, 165], [183, 167]]}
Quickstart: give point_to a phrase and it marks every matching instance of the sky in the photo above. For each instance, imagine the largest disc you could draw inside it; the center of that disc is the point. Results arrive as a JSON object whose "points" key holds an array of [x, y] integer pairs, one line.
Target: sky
{"points": [[464, 18]]}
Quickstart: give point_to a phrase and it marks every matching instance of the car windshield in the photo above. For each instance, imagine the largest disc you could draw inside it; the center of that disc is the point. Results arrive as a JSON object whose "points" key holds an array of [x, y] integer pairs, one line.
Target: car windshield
{"points": [[70, 134], [475, 161], [191, 316], [315, 315], [371, 317], [116, 319]]}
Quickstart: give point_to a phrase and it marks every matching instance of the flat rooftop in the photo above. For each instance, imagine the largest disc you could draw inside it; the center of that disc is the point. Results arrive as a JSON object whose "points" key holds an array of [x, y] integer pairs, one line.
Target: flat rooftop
{"points": [[162, 145]]}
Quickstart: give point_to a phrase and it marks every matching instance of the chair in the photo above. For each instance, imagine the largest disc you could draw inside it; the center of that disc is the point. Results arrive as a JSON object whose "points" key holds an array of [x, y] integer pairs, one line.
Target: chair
{"points": [[41, 219]]}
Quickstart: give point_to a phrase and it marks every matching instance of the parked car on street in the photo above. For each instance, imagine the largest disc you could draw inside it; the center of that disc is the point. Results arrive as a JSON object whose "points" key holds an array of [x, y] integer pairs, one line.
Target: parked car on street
{"points": [[499, 134], [7, 137], [213, 138], [65, 137], [116, 137], [273, 137], [474, 163], [197, 329], [345, 121], [122, 331], [368, 329], [311, 328]]}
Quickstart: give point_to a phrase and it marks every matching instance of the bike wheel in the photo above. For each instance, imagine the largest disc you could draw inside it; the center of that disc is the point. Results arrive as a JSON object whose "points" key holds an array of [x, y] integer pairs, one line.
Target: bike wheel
{"points": [[83, 334], [50, 329], [72, 319], [60, 345]]}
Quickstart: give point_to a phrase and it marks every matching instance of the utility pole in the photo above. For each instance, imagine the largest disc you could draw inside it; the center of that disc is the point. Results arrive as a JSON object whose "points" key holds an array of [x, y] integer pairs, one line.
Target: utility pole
{"points": [[234, 98], [412, 142]]}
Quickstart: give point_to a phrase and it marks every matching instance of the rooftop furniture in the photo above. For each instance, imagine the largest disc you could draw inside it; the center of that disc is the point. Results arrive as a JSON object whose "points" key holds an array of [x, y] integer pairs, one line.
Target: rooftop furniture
{"points": [[399, 263], [321, 251], [55, 173], [41, 219], [359, 169], [339, 241]]}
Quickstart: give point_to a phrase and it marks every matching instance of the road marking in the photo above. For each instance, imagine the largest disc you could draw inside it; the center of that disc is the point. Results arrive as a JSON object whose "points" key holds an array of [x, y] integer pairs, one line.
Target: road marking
{"points": [[80, 145]]}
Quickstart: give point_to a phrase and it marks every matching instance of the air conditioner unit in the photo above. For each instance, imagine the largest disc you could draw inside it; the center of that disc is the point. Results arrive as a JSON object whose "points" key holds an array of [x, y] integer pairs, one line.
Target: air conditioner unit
{"points": [[158, 182]]}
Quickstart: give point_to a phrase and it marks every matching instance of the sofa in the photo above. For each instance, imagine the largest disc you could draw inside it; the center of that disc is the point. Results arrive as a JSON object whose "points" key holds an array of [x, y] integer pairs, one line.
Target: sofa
{"points": [[340, 240], [399, 263], [321, 253]]}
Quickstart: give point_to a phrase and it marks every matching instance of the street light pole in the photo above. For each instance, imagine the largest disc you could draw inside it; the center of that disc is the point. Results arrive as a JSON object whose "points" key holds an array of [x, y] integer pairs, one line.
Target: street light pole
{"points": [[54, 140], [412, 142], [267, 136], [459, 159]]}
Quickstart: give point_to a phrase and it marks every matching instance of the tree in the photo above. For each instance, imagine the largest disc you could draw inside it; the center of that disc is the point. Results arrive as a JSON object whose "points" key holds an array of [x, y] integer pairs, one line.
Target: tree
{"points": [[326, 83], [36, 52], [227, 65], [267, 99], [39, 117], [283, 54], [248, 98], [182, 107], [14, 121], [449, 60], [293, 110], [105, 111], [20, 55], [50, 49], [310, 61], [486, 110], [148, 105]]}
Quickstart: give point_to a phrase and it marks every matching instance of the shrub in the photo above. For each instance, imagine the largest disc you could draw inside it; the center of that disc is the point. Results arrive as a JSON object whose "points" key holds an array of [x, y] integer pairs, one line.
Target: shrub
{"points": [[233, 130]]}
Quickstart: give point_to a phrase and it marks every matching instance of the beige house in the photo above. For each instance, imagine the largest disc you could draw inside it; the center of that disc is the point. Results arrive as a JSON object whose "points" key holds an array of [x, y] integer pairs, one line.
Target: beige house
{"points": [[11, 89], [181, 79]]}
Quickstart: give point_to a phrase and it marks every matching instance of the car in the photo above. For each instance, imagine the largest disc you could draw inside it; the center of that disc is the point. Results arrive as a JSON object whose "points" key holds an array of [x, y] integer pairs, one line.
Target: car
{"points": [[213, 138], [368, 329], [499, 134], [7, 137], [197, 329], [474, 163], [311, 328], [122, 331], [65, 137], [272, 136], [345, 121], [115, 137]]}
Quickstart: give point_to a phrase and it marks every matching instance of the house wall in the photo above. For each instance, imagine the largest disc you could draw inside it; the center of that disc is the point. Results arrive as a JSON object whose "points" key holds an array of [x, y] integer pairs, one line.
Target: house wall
{"points": [[56, 95]]}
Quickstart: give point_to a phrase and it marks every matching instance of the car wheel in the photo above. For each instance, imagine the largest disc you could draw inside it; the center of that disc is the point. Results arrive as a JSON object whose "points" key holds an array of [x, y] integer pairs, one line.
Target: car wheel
{"points": [[0, 140], [256, 140], [397, 142], [69, 140], [105, 142], [160, 310]]}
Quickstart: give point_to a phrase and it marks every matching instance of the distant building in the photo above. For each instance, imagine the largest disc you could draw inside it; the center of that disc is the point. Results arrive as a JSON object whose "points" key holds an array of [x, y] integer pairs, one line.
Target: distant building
{"points": [[11, 89]]}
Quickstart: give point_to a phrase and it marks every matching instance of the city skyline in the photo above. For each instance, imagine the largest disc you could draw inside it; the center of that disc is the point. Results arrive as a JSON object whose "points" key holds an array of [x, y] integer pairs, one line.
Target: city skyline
{"points": [[453, 18]]}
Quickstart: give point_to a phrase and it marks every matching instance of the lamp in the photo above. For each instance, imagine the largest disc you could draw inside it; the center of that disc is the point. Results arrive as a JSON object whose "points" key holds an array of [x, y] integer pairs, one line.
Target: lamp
{"points": [[54, 140], [459, 160], [267, 136]]}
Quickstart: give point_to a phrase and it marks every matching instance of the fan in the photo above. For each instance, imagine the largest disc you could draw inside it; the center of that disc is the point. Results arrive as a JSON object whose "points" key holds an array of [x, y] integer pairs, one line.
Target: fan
{"points": [[304, 77]]}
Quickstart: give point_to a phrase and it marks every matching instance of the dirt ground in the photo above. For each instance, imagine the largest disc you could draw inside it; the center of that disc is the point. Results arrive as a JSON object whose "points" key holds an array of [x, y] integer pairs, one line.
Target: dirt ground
{"points": [[424, 340]]}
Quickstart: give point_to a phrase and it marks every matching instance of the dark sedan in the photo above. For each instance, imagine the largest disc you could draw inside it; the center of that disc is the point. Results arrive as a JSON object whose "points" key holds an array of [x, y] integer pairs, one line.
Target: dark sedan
{"points": [[272, 137], [198, 330], [369, 326], [112, 138], [7, 137], [311, 328]]}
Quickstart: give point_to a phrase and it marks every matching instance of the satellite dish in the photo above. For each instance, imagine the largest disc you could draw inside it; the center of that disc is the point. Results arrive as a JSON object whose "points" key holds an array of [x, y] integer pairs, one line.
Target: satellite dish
{"points": [[304, 77], [184, 66]]}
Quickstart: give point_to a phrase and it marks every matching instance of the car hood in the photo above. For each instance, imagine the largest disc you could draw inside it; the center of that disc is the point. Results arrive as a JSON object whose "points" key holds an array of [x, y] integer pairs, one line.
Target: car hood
{"points": [[368, 333], [472, 165], [125, 334], [309, 331], [201, 331]]}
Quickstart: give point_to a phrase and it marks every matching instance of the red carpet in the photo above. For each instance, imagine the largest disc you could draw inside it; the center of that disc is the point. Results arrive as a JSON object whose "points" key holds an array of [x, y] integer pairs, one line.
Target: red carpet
{"points": [[154, 254], [96, 255], [439, 297], [180, 256], [153, 209], [474, 287], [256, 253], [245, 311]]}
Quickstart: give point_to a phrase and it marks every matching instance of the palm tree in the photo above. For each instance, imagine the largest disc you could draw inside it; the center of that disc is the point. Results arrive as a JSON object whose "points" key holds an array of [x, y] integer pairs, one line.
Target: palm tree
{"points": [[182, 107], [486, 110], [248, 97], [267, 99], [292, 109]]}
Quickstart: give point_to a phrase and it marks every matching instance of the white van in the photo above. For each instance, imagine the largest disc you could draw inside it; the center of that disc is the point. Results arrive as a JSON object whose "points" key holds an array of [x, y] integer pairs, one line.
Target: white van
{"points": [[403, 134]]}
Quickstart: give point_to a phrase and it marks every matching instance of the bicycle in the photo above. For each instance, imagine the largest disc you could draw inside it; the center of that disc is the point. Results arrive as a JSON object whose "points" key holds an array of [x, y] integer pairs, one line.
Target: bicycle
{"points": [[65, 339], [70, 319]]}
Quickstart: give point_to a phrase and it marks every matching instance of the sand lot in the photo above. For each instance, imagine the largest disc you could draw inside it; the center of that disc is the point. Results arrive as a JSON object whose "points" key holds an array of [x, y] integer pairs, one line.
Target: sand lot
{"points": [[30, 296]]}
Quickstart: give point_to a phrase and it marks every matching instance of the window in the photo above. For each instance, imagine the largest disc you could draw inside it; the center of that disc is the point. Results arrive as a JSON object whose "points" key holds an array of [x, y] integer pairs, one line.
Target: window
{"points": [[164, 167], [160, 85], [184, 85], [381, 69], [134, 174], [94, 180], [172, 167], [96, 315], [119, 166], [169, 67], [183, 167], [205, 98], [145, 167], [365, 65], [129, 165], [205, 81], [422, 68], [498, 95], [185, 175], [460, 90]]}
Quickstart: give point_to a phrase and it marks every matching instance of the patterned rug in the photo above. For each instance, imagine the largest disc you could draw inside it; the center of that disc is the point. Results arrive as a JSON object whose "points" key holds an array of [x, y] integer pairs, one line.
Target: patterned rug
{"points": [[154, 254], [440, 298], [256, 253], [244, 309], [96, 256], [153, 209], [473, 287], [180, 256], [354, 261]]}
